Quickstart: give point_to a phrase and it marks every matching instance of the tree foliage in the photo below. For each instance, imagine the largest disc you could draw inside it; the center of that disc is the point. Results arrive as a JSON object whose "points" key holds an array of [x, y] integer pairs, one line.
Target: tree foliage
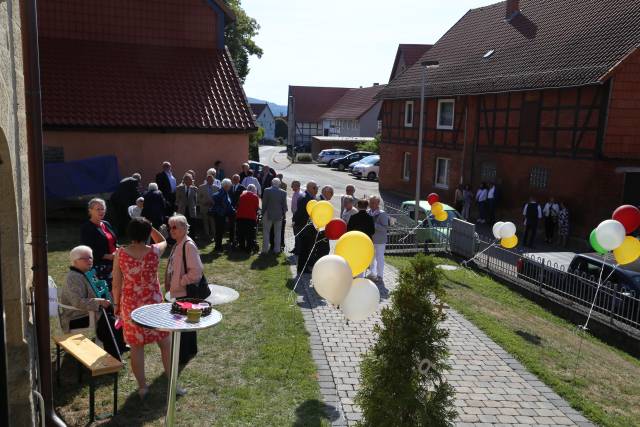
{"points": [[254, 139], [372, 146], [282, 128], [239, 36], [402, 382]]}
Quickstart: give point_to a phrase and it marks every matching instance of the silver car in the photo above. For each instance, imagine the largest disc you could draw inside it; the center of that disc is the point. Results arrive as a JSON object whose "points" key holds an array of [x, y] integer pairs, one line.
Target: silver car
{"points": [[326, 156]]}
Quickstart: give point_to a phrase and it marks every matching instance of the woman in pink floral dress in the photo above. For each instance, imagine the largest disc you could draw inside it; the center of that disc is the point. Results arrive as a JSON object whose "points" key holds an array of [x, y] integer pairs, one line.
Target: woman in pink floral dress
{"points": [[135, 283]]}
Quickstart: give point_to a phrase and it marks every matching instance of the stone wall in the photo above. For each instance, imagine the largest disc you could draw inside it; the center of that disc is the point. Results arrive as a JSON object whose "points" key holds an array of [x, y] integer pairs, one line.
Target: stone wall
{"points": [[15, 227]]}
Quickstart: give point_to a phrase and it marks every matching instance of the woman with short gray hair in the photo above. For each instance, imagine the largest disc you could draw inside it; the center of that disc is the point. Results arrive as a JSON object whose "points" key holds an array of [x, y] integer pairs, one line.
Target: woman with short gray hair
{"points": [[100, 236], [155, 205]]}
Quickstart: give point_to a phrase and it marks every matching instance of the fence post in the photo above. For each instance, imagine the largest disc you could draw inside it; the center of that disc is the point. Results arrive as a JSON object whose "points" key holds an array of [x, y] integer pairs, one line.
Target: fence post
{"points": [[612, 306]]}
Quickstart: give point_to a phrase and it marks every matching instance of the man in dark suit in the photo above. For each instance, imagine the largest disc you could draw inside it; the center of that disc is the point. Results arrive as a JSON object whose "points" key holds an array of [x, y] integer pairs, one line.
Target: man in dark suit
{"points": [[267, 176], [308, 233], [167, 185], [154, 205], [234, 193], [125, 195]]}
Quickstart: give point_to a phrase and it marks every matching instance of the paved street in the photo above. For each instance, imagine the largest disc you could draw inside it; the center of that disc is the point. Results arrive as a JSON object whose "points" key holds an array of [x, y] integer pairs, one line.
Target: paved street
{"points": [[492, 388]]}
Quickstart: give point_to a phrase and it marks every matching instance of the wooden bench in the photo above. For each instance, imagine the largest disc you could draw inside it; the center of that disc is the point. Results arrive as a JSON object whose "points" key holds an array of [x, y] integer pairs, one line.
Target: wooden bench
{"points": [[97, 361]]}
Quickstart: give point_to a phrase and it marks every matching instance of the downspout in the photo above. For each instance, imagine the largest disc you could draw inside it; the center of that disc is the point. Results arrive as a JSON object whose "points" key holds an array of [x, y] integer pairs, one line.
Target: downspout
{"points": [[38, 218], [464, 140]]}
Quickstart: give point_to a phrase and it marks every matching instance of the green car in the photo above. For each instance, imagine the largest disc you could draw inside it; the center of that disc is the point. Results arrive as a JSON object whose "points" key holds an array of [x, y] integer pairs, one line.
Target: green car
{"points": [[430, 231]]}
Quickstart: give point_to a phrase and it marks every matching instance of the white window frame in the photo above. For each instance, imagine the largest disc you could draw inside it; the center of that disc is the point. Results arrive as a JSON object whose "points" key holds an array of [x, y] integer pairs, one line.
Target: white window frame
{"points": [[446, 173], [453, 115], [406, 164], [408, 118]]}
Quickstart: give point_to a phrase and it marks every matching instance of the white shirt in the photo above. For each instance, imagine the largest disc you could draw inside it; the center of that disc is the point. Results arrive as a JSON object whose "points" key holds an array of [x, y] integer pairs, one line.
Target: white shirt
{"points": [[551, 209], [491, 193], [481, 195], [252, 180], [172, 181], [135, 211]]}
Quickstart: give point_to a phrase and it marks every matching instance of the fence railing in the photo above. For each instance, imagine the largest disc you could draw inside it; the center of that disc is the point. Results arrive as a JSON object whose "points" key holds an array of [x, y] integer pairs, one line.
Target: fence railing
{"points": [[611, 303]]}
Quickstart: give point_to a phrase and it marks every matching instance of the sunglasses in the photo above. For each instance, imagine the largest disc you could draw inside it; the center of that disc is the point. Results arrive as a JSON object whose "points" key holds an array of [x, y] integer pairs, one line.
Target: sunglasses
{"points": [[173, 227], [86, 258]]}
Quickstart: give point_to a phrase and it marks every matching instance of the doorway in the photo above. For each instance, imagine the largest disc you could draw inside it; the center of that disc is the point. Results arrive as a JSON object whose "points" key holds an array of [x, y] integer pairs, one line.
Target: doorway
{"points": [[631, 193]]}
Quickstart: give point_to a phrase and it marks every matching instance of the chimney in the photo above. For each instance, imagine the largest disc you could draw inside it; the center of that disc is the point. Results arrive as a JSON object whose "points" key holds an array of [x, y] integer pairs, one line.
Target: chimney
{"points": [[513, 8], [376, 84]]}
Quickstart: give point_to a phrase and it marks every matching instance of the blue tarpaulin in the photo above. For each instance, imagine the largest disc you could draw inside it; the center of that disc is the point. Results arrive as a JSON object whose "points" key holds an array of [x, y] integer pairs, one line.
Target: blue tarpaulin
{"points": [[80, 177]]}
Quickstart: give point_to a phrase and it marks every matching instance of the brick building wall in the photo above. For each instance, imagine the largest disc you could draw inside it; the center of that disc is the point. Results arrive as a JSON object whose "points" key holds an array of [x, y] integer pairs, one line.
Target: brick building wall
{"points": [[581, 143]]}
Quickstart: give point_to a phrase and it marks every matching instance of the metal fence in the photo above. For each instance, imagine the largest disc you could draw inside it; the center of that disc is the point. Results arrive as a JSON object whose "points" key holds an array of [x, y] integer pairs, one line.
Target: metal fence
{"points": [[618, 307]]}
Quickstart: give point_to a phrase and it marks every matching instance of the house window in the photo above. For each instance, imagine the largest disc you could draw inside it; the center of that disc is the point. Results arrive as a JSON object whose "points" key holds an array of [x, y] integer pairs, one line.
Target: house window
{"points": [[539, 178], [529, 122], [442, 172], [406, 167], [488, 172], [445, 113], [408, 114]]}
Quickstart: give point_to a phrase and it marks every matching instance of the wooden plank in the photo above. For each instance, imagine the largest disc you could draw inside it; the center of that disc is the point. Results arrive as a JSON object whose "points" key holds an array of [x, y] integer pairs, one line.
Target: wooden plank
{"points": [[95, 359]]}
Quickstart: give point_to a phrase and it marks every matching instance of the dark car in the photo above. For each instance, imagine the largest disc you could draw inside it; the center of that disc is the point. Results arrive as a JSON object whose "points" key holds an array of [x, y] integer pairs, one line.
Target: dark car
{"points": [[619, 291], [343, 162]]}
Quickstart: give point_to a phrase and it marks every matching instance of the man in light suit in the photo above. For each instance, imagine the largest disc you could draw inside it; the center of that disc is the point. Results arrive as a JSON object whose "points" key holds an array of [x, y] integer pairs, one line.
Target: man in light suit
{"points": [[187, 199], [205, 203], [274, 207]]}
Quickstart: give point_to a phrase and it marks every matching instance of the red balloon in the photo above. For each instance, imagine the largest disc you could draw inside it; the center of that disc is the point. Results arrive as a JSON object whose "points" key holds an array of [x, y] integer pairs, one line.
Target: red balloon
{"points": [[433, 198], [335, 229], [629, 216]]}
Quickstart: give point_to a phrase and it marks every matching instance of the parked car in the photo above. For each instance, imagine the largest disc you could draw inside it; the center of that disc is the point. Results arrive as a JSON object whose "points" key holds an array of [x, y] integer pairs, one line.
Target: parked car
{"points": [[368, 167], [342, 163], [326, 156], [256, 167], [430, 230], [588, 266]]}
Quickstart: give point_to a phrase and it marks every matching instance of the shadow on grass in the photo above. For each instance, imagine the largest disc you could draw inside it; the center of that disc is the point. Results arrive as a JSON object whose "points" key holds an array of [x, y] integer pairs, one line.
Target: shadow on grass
{"points": [[263, 262], [311, 413], [533, 339], [137, 412]]}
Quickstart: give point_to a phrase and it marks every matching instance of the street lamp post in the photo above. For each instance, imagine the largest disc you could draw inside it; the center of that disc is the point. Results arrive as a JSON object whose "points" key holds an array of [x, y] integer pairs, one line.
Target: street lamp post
{"points": [[425, 65]]}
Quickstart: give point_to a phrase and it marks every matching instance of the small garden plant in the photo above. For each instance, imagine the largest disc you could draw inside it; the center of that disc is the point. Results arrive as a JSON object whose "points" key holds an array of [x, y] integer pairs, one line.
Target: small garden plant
{"points": [[402, 376]]}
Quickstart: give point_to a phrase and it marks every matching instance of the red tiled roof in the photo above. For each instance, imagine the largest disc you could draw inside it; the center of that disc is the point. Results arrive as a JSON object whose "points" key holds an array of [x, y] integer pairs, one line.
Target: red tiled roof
{"points": [[354, 103], [122, 85], [410, 53], [549, 44], [257, 108], [311, 102]]}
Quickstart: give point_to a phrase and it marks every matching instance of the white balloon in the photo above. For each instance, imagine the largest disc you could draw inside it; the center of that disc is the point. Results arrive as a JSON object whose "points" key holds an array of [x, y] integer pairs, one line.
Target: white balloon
{"points": [[508, 229], [610, 234], [496, 229], [331, 277], [362, 300]]}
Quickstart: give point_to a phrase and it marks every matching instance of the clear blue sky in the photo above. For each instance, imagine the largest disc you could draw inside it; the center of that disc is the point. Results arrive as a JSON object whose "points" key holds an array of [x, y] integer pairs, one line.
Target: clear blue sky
{"points": [[348, 43]]}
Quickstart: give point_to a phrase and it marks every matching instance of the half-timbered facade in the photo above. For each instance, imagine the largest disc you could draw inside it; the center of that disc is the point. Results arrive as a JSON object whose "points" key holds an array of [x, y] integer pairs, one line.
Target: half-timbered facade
{"points": [[531, 100]]}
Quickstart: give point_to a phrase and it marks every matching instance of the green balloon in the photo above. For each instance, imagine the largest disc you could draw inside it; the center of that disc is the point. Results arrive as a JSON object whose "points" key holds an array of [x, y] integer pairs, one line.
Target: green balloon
{"points": [[594, 243]]}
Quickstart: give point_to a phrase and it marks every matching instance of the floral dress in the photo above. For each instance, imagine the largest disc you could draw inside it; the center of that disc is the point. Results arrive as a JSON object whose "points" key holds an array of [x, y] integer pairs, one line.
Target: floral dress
{"points": [[140, 287], [563, 222]]}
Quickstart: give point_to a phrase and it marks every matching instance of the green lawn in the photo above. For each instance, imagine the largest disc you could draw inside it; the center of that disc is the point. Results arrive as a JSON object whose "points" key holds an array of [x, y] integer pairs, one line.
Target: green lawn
{"points": [[606, 386], [254, 368]]}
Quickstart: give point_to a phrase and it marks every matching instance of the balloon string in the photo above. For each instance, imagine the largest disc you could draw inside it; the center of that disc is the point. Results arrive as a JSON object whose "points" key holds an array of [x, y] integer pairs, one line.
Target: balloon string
{"points": [[307, 261], [465, 263], [597, 289], [303, 228]]}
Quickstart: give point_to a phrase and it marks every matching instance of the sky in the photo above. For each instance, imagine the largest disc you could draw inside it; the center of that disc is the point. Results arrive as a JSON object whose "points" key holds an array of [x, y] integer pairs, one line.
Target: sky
{"points": [[344, 43]]}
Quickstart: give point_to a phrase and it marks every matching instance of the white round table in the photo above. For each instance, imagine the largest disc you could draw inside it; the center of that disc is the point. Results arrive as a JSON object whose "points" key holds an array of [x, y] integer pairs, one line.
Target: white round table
{"points": [[159, 316], [219, 295]]}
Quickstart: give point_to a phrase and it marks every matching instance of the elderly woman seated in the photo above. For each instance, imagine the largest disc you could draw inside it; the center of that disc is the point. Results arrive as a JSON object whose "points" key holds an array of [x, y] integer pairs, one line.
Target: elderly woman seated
{"points": [[79, 293]]}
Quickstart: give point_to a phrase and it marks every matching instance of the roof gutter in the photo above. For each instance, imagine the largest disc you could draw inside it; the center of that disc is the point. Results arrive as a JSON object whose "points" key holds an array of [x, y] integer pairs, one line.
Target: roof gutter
{"points": [[37, 200]]}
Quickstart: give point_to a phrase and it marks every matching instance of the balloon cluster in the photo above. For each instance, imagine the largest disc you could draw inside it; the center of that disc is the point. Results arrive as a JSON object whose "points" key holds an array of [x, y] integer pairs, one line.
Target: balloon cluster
{"points": [[611, 235], [333, 276], [321, 214], [437, 208], [506, 233]]}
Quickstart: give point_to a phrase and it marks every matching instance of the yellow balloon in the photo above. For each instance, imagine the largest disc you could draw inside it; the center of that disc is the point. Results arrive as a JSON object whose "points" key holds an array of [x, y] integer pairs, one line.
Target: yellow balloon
{"points": [[628, 251], [509, 242], [321, 214], [357, 249], [441, 216], [310, 205], [436, 208]]}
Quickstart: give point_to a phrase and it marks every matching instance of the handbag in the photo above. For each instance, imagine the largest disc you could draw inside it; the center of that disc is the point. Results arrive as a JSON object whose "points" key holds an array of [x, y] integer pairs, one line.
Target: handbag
{"points": [[198, 289]]}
